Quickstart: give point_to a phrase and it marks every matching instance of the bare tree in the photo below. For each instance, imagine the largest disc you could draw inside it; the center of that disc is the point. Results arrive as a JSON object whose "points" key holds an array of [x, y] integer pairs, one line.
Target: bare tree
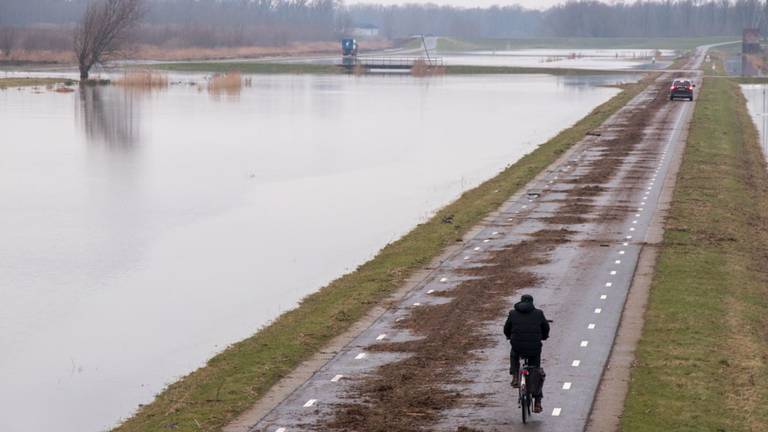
{"points": [[7, 40], [103, 30]]}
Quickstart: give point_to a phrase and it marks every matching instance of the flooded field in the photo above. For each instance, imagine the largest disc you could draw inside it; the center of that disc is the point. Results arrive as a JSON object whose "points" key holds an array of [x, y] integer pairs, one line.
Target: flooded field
{"points": [[563, 58], [598, 59], [757, 103], [144, 231]]}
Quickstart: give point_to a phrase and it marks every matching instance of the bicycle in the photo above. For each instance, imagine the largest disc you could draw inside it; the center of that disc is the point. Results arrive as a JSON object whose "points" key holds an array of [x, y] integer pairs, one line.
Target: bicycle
{"points": [[525, 397]]}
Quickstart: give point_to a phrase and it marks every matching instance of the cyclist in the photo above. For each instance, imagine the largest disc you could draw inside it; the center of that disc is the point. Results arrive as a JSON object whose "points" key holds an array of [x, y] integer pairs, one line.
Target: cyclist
{"points": [[525, 328]]}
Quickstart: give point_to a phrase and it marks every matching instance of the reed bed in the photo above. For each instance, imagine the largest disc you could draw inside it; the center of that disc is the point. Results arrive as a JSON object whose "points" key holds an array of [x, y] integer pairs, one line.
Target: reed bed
{"points": [[230, 83], [143, 79]]}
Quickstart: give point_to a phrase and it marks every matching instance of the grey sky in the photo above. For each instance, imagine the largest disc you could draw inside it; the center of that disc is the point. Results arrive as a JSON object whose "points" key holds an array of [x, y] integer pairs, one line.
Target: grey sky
{"points": [[538, 4]]}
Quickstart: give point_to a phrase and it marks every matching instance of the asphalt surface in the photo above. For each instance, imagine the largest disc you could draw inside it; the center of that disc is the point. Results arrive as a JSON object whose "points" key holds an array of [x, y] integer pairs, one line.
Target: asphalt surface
{"points": [[583, 288]]}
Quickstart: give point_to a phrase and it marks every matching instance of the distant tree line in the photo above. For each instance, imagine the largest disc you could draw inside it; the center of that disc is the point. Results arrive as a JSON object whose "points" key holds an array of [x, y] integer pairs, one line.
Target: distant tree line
{"points": [[655, 18], [42, 24], [402, 21]]}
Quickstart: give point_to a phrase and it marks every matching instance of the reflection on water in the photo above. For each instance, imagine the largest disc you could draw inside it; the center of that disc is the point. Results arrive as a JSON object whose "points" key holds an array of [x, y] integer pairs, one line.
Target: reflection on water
{"points": [[121, 270], [110, 116], [757, 103]]}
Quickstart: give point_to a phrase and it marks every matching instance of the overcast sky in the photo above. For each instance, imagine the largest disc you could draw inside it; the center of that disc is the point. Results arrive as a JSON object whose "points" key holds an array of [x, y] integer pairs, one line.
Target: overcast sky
{"points": [[539, 4]]}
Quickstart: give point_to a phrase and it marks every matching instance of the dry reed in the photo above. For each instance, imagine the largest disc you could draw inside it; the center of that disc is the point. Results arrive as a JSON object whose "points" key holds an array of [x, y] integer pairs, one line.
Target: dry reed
{"points": [[229, 83], [144, 79]]}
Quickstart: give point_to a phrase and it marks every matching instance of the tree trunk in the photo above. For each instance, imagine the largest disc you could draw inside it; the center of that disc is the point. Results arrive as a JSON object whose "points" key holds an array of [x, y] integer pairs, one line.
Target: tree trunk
{"points": [[84, 73]]}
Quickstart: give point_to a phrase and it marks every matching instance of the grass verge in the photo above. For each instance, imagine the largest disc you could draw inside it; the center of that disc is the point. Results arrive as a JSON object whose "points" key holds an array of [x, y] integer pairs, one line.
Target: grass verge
{"points": [[31, 82], [702, 361], [232, 381]]}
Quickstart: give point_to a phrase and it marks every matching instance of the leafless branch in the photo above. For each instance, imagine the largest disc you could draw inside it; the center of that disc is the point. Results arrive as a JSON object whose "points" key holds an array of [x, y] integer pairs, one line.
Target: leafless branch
{"points": [[104, 30]]}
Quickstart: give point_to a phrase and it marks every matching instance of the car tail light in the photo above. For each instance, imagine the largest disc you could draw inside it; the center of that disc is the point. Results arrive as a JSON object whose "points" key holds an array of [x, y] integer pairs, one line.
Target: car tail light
{"points": [[672, 88], [690, 88]]}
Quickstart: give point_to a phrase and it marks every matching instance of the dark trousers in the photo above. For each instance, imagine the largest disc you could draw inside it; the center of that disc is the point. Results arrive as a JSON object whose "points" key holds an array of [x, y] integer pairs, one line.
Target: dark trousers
{"points": [[514, 361]]}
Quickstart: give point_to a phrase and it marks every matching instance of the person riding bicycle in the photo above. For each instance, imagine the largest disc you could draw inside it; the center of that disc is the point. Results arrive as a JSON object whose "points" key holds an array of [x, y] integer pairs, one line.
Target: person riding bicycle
{"points": [[525, 328]]}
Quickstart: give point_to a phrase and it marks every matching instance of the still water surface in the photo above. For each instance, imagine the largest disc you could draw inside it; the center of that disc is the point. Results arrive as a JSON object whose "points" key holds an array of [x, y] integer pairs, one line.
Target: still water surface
{"points": [[143, 232], [757, 103]]}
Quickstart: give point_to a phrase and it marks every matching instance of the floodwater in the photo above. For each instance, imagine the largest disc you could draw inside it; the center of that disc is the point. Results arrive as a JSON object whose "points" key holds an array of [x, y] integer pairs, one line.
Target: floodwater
{"points": [[142, 232], [602, 59], [597, 59], [757, 103]]}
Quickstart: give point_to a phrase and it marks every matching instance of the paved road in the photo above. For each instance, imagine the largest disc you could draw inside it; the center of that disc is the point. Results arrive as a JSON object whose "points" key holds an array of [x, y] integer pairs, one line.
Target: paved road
{"points": [[582, 286]]}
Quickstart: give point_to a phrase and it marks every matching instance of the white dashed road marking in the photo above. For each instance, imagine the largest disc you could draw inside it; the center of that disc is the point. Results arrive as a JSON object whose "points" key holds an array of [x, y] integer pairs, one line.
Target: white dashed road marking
{"points": [[591, 326], [381, 336], [598, 310], [603, 297], [556, 412], [281, 430], [584, 343], [310, 403], [576, 363], [337, 378], [566, 386], [360, 356]]}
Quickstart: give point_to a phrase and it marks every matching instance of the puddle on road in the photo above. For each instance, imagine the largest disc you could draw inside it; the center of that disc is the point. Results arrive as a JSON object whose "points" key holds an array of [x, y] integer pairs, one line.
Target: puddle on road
{"points": [[144, 231]]}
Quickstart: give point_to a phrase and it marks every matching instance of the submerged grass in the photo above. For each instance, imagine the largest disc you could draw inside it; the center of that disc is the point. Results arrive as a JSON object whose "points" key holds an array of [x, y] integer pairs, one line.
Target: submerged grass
{"points": [[232, 381], [702, 361], [32, 82]]}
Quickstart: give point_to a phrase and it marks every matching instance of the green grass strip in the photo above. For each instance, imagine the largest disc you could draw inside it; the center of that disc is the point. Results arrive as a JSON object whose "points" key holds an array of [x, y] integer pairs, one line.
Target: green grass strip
{"points": [[33, 82], [702, 361], [234, 380]]}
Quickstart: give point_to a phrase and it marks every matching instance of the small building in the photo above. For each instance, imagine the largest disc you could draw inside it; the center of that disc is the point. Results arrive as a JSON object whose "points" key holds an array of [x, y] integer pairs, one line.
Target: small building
{"points": [[365, 31]]}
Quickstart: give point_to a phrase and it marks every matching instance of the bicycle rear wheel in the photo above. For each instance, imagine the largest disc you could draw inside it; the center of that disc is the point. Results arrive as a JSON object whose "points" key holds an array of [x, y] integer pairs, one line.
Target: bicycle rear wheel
{"points": [[525, 403]]}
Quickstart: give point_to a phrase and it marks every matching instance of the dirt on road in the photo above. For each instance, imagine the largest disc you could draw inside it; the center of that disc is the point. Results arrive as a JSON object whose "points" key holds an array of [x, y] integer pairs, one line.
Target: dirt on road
{"points": [[410, 393]]}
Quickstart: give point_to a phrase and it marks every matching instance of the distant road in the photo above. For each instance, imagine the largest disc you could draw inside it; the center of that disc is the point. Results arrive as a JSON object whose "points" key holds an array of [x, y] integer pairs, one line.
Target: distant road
{"points": [[573, 242]]}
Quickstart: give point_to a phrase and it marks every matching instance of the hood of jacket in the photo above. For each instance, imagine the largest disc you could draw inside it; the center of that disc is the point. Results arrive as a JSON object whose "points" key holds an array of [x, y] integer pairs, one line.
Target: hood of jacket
{"points": [[524, 307]]}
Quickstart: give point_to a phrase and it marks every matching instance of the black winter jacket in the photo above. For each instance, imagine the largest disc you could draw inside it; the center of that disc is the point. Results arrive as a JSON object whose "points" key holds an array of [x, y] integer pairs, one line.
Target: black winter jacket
{"points": [[525, 328]]}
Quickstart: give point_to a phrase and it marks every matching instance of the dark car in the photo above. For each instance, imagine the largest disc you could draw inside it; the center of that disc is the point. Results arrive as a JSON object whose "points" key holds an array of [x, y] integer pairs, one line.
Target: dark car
{"points": [[681, 89]]}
